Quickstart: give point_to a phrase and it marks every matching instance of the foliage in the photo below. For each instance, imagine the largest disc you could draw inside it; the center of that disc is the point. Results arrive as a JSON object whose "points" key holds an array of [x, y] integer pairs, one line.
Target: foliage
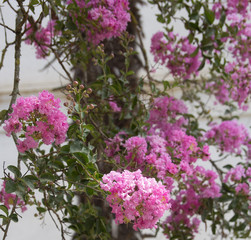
{"points": [[127, 139]]}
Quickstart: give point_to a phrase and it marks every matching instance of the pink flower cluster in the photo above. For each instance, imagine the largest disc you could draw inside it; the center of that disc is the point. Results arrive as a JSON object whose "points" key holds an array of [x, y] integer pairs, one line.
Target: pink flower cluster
{"points": [[175, 54], [8, 199], [240, 178], [113, 105], [100, 19], [39, 118], [229, 135], [154, 154], [166, 115], [41, 38], [236, 85], [199, 185], [135, 198]]}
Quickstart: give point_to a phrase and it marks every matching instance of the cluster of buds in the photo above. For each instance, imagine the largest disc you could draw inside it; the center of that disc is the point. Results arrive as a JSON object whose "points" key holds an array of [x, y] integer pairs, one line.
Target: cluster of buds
{"points": [[77, 95]]}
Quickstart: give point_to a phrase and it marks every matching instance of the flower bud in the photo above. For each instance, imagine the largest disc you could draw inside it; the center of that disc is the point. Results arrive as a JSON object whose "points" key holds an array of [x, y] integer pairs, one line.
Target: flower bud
{"points": [[68, 87], [89, 91], [75, 84], [69, 97]]}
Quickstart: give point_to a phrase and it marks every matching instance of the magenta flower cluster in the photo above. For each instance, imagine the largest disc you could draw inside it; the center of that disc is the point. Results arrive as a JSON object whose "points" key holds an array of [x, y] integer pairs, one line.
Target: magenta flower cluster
{"points": [[100, 19], [8, 199], [166, 115], [38, 119], [199, 185], [41, 38], [135, 198], [236, 85], [175, 53], [229, 135], [240, 178]]}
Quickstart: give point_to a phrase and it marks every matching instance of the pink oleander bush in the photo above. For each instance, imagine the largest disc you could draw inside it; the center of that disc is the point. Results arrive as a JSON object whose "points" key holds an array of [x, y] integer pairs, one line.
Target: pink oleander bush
{"points": [[135, 198], [37, 119], [100, 20]]}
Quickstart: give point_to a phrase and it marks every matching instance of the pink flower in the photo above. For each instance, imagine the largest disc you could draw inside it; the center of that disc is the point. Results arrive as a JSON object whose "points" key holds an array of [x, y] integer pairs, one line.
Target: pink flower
{"points": [[39, 118], [100, 20], [229, 135], [134, 198], [175, 54], [242, 188], [41, 38]]}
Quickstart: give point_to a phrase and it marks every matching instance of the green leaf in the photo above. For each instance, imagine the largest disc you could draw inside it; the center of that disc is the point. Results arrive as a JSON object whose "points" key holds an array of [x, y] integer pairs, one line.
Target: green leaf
{"points": [[195, 52], [89, 127], [166, 84], [225, 198], [14, 217], [47, 177], [82, 157], [228, 166], [209, 15], [29, 180], [65, 149], [15, 170], [41, 210], [160, 18], [202, 64], [89, 191], [10, 186], [2, 114], [4, 209], [76, 146]]}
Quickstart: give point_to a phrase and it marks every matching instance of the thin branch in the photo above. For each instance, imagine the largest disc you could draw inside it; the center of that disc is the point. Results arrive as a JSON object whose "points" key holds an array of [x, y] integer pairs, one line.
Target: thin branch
{"points": [[18, 41], [9, 221], [19, 19], [3, 54], [220, 172], [61, 64], [12, 7], [6, 27]]}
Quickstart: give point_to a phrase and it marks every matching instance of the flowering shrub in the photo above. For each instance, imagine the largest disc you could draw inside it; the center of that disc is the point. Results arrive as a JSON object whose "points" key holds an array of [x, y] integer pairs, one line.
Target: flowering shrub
{"points": [[131, 141]]}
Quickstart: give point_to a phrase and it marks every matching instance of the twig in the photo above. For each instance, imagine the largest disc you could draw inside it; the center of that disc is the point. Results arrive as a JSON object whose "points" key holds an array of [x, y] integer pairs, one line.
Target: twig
{"points": [[6, 27], [18, 39], [220, 172], [9, 221]]}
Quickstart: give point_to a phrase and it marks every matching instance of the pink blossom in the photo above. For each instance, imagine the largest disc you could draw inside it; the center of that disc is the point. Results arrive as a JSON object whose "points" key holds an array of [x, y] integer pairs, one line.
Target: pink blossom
{"points": [[229, 135], [39, 118], [242, 188], [41, 38], [175, 54], [100, 20], [135, 198]]}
